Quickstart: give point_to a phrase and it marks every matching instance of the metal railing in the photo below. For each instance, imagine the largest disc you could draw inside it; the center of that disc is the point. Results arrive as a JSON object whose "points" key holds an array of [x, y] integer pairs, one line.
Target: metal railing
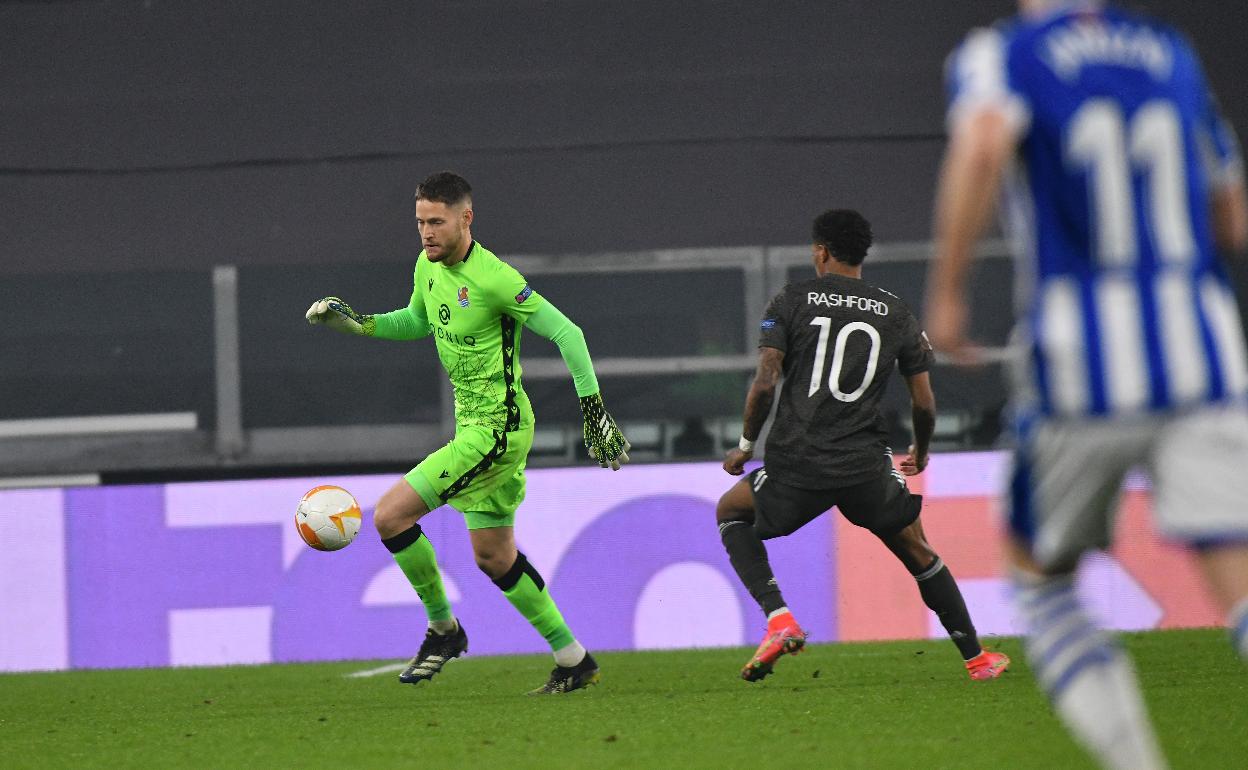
{"points": [[86, 445]]}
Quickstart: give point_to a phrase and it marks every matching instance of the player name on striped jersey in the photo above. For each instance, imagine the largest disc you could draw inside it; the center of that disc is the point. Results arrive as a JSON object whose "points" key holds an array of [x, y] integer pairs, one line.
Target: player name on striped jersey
{"points": [[1069, 49]]}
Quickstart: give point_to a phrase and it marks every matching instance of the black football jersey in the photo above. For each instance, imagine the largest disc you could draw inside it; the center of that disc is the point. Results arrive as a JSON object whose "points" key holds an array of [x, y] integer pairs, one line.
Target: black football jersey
{"points": [[842, 339]]}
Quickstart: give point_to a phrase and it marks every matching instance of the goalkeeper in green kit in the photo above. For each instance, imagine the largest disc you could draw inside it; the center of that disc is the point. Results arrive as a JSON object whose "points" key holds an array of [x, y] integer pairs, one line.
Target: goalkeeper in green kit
{"points": [[476, 305]]}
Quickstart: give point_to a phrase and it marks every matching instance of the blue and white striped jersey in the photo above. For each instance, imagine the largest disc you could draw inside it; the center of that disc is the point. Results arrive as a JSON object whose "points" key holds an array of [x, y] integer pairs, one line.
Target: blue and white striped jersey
{"points": [[1124, 307]]}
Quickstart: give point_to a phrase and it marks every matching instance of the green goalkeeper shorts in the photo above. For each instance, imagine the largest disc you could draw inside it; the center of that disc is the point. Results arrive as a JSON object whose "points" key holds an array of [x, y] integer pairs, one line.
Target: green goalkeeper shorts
{"points": [[479, 473]]}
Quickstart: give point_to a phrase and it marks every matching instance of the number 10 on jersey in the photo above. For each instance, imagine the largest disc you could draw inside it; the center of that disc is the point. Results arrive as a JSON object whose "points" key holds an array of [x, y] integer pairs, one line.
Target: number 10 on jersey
{"points": [[838, 358]]}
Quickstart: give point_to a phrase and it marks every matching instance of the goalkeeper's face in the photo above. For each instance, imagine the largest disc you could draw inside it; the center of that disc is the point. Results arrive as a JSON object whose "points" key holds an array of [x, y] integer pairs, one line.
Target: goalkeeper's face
{"points": [[444, 229]]}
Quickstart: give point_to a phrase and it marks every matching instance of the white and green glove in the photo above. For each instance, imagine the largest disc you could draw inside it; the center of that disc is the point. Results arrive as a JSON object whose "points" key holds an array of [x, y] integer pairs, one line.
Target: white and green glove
{"points": [[339, 316], [603, 438]]}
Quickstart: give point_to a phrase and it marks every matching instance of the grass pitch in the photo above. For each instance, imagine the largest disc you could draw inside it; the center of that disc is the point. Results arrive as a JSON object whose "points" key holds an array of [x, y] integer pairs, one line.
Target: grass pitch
{"points": [[898, 704]]}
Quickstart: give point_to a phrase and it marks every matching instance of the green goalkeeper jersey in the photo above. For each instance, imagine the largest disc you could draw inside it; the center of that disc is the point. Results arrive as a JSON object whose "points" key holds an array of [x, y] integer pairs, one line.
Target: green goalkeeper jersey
{"points": [[476, 309]]}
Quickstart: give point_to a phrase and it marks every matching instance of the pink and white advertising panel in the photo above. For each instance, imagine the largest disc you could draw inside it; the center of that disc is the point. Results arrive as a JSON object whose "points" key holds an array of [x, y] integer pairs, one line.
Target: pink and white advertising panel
{"points": [[211, 573]]}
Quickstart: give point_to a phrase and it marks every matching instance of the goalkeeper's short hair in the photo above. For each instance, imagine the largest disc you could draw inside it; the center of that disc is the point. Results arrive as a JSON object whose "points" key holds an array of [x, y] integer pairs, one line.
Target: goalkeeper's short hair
{"points": [[444, 187]]}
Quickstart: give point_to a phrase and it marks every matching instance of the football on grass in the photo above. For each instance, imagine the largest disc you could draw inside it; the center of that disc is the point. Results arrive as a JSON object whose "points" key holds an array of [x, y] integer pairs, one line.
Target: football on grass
{"points": [[328, 518]]}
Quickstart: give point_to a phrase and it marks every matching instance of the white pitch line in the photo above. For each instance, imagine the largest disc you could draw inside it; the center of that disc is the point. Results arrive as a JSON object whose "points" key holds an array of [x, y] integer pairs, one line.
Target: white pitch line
{"points": [[376, 671]]}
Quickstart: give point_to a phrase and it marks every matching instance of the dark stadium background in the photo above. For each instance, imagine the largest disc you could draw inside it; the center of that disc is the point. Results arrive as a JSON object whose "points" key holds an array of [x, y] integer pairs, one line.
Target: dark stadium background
{"points": [[144, 143]]}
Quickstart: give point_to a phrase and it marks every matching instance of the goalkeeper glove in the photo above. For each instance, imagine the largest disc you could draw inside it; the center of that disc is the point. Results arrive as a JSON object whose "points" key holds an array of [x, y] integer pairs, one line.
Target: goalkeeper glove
{"points": [[339, 316], [603, 438]]}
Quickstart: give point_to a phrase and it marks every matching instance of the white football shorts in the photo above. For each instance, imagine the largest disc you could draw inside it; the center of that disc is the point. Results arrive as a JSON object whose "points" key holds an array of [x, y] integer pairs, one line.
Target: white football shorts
{"points": [[1067, 478]]}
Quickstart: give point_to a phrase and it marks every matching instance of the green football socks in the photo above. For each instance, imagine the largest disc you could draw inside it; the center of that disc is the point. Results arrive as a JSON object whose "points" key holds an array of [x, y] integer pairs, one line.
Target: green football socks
{"points": [[415, 556], [522, 585], [524, 588]]}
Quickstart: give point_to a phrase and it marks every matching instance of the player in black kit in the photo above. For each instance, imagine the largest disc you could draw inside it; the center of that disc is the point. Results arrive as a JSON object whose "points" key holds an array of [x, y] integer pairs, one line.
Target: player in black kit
{"points": [[835, 339]]}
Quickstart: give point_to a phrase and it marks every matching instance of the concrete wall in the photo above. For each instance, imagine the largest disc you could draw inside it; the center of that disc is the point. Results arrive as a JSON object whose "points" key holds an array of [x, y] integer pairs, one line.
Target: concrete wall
{"points": [[144, 142], [153, 134]]}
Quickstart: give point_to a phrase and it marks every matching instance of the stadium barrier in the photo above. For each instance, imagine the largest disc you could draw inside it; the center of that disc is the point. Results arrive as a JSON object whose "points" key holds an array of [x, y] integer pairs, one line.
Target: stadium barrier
{"points": [[226, 402], [210, 573]]}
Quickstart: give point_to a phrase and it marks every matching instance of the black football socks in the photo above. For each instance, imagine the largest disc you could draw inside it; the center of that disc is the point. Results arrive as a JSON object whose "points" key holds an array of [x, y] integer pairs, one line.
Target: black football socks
{"points": [[941, 595], [749, 558]]}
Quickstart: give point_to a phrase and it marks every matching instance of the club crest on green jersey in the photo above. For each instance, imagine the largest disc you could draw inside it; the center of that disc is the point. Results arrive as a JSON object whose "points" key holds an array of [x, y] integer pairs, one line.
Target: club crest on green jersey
{"points": [[463, 296]]}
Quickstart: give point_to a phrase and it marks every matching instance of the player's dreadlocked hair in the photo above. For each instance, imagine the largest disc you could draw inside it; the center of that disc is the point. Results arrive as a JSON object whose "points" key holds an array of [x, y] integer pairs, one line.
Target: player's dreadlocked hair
{"points": [[845, 233], [444, 187]]}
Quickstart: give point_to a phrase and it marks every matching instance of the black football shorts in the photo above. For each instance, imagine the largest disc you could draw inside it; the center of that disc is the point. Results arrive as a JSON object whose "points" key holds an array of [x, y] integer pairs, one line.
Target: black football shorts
{"points": [[883, 505]]}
